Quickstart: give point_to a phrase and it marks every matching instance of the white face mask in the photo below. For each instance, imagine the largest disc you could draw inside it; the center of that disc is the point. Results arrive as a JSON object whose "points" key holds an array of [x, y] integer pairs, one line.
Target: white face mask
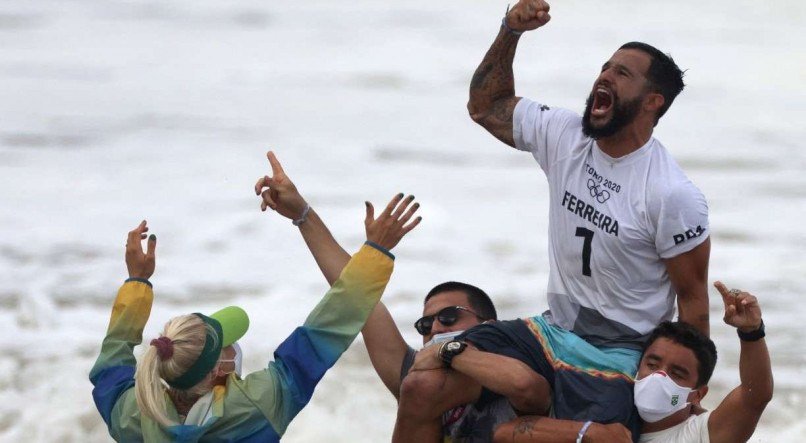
{"points": [[238, 358], [657, 397], [442, 338]]}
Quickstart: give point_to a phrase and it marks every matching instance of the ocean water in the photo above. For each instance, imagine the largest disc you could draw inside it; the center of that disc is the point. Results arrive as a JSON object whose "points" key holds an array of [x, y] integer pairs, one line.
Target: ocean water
{"points": [[115, 111]]}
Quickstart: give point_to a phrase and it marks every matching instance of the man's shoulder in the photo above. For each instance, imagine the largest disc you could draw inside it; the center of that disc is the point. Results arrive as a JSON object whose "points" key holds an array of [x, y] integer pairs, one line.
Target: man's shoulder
{"points": [[663, 165], [667, 182], [534, 109]]}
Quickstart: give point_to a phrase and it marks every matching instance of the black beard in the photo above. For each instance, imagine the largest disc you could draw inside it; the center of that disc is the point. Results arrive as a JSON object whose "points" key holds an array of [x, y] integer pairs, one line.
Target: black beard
{"points": [[623, 114]]}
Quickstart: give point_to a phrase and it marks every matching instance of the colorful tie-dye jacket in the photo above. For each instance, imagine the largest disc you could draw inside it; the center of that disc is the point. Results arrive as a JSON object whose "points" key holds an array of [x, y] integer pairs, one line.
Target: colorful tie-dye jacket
{"points": [[259, 407]]}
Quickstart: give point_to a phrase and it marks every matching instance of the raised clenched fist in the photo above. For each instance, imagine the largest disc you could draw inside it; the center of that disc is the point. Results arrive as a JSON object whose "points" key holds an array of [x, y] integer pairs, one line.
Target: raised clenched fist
{"points": [[527, 15]]}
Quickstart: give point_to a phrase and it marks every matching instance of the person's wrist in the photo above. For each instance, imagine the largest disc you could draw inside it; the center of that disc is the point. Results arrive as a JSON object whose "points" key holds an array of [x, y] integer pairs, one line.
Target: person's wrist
{"points": [[302, 216], [449, 350], [583, 432], [749, 329], [751, 335], [380, 248], [509, 29], [138, 279], [136, 273]]}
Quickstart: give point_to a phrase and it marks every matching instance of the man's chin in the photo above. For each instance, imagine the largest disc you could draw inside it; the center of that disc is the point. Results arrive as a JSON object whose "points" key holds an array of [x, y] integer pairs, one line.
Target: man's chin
{"points": [[593, 127]]}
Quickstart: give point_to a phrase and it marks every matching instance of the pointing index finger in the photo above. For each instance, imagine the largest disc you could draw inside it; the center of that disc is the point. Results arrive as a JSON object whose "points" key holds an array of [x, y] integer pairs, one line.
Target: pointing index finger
{"points": [[276, 167]]}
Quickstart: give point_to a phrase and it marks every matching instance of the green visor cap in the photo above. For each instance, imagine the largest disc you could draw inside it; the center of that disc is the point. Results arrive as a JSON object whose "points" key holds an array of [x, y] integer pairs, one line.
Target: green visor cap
{"points": [[234, 324]]}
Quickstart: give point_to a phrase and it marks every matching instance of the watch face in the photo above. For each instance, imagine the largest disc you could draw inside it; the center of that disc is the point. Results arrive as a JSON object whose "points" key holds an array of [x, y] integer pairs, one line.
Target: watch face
{"points": [[454, 345]]}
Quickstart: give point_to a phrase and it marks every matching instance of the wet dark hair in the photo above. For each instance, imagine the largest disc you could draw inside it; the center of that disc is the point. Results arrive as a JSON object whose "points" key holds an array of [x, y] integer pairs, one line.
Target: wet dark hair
{"points": [[478, 299], [664, 76], [688, 336]]}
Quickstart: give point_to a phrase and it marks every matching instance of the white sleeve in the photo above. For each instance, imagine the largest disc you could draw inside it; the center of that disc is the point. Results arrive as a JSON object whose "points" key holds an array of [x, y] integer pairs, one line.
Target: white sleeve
{"points": [[702, 422], [682, 222], [541, 130]]}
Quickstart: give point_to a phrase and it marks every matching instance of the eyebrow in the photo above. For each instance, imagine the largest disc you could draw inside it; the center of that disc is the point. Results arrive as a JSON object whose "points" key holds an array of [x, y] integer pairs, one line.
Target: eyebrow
{"points": [[653, 357], [619, 66], [683, 371]]}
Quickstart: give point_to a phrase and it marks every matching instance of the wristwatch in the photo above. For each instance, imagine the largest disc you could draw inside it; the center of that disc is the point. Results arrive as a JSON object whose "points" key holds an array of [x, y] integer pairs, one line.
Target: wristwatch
{"points": [[449, 350], [756, 335]]}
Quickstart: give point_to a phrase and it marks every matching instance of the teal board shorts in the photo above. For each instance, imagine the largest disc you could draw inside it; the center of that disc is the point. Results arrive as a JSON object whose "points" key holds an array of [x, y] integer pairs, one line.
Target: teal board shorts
{"points": [[587, 382]]}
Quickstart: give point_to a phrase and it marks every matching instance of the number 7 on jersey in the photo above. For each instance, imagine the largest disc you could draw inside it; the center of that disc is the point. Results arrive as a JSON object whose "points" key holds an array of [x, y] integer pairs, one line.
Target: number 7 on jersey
{"points": [[586, 249]]}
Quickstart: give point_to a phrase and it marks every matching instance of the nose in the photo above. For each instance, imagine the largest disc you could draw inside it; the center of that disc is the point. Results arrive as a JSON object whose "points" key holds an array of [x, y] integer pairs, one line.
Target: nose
{"points": [[605, 77]]}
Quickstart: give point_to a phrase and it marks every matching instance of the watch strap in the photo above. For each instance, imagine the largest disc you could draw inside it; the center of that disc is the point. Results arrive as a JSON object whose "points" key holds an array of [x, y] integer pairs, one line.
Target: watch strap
{"points": [[756, 335]]}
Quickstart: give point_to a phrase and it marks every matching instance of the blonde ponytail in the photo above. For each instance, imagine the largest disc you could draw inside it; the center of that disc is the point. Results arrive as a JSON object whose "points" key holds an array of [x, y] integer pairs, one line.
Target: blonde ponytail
{"points": [[187, 334]]}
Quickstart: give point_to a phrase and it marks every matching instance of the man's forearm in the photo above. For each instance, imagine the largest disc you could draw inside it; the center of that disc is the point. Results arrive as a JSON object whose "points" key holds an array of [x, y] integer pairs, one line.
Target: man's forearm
{"points": [[693, 309], [755, 372], [735, 419], [528, 391], [492, 89], [537, 429], [327, 252], [532, 429], [688, 273]]}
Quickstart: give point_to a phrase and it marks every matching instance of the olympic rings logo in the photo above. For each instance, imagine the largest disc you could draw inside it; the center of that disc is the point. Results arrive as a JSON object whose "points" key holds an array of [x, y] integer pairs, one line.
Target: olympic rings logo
{"points": [[601, 195]]}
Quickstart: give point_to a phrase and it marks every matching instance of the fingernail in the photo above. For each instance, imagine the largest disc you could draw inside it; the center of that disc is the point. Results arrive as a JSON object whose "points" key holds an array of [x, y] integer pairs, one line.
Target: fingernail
{"points": [[366, 203], [416, 205], [400, 195], [152, 237], [411, 197]]}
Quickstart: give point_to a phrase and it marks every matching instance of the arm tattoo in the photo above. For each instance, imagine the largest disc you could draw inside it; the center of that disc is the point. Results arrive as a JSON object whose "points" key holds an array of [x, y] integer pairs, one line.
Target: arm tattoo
{"points": [[480, 75], [492, 89], [525, 426]]}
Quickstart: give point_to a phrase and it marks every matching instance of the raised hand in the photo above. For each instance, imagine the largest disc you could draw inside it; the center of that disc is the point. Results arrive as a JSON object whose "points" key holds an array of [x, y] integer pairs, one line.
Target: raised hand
{"points": [[278, 192], [140, 264], [527, 15], [390, 226], [742, 310]]}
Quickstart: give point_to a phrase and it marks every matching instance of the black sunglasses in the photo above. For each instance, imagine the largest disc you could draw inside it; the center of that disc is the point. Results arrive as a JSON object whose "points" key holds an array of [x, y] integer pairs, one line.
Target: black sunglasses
{"points": [[447, 316]]}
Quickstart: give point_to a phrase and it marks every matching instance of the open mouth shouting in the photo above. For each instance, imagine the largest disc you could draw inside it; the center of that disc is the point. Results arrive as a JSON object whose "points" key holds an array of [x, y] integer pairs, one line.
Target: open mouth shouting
{"points": [[603, 100]]}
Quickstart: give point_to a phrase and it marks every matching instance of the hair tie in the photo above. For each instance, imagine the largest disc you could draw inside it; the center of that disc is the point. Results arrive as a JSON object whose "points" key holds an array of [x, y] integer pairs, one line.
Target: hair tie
{"points": [[165, 347]]}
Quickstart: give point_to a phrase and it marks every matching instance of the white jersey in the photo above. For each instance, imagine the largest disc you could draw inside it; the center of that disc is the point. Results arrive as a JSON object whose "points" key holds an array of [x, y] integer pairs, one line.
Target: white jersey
{"points": [[612, 221], [693, 430]]}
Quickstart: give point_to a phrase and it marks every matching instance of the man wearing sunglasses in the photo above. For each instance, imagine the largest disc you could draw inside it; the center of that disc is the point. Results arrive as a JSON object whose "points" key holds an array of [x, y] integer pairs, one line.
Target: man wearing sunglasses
{"points": [[628, 233], [447, 316], [449, 309]]}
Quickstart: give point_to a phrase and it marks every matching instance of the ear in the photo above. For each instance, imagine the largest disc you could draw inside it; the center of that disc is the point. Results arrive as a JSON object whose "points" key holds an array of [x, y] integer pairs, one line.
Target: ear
{"points": [[653, 101], [698, 394]]}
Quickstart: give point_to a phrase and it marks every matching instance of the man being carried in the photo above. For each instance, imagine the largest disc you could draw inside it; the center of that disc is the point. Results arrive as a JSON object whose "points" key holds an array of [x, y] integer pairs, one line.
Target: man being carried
{"points": [[627, 232], [673, 378], [449, 308]]}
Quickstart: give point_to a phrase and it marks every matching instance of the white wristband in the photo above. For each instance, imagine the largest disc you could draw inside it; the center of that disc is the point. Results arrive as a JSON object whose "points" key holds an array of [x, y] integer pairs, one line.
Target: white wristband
{"points": [[302, 217], [582, 431]]}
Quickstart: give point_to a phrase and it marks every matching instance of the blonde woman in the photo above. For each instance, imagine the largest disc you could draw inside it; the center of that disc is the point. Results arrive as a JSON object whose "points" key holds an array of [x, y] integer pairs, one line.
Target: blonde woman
{"points": [[184, 387]]}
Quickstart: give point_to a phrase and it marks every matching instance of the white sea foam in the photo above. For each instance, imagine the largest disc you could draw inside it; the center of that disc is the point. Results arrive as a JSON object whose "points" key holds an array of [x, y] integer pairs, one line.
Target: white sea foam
{"points": [[118, 111]]}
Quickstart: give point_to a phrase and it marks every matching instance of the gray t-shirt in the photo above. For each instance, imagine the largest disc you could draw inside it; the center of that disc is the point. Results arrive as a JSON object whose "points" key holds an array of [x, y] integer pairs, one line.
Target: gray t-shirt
{"points": [[472, 423]]}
